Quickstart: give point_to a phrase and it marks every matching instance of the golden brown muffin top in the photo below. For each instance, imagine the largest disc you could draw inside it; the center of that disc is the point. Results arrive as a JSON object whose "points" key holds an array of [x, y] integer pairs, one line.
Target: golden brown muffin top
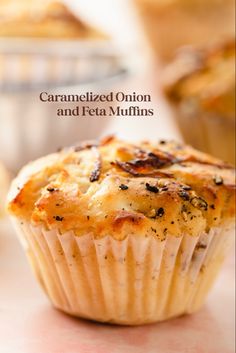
{"points": [[119, 188], [42, 19], [204, 79]]}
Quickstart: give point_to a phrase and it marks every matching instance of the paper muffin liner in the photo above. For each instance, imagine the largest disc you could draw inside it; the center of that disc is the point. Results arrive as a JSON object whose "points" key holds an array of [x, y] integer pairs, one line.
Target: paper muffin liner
{"points": [[134, 281], [207, 132], [27, 64]]}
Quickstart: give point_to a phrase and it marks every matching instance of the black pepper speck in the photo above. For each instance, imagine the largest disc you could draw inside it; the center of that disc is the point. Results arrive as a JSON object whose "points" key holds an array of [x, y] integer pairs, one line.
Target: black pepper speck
{"points": [[52, 189], [58, 218], [160, 212], [123, 187], [184, 195], [151, 188]]}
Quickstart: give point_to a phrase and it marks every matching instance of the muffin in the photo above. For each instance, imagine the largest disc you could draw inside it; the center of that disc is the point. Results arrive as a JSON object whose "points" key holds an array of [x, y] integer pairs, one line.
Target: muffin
{"points": [[125, 233], [170, 24], [201, 87], [42, 19]]}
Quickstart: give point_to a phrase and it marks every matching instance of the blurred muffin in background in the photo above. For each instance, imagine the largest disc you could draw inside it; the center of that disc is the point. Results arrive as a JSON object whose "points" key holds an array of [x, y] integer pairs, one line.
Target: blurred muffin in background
{"points": [[201, 87], [45, 47], [58, 32], [170, 24], [42, 19], [4, 184]]}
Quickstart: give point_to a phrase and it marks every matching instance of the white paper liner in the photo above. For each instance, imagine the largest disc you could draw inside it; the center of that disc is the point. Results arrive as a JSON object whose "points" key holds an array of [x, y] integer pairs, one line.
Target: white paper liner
{"points": [[26, 63], [133, 281]]}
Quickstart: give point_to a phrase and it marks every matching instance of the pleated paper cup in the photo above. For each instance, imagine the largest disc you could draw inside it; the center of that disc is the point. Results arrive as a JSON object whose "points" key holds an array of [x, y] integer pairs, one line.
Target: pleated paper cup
{"points": [[27, 63], [134, 281]]}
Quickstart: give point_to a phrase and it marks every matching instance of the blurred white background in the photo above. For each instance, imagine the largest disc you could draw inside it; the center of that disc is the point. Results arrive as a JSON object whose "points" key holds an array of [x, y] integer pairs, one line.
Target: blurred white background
{"points": [[116, 17], [119, 19]]}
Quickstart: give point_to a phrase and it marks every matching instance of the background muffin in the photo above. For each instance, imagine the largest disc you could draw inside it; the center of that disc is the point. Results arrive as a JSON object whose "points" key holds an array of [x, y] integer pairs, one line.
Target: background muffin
{"points": [[45, 47], [42, 19], [125, 233], [171, 24], [201, 87]]}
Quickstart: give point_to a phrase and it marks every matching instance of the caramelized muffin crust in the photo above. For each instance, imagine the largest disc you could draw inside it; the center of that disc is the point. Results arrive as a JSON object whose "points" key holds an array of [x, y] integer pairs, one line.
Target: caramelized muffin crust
{"points": [[117, 188]]}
